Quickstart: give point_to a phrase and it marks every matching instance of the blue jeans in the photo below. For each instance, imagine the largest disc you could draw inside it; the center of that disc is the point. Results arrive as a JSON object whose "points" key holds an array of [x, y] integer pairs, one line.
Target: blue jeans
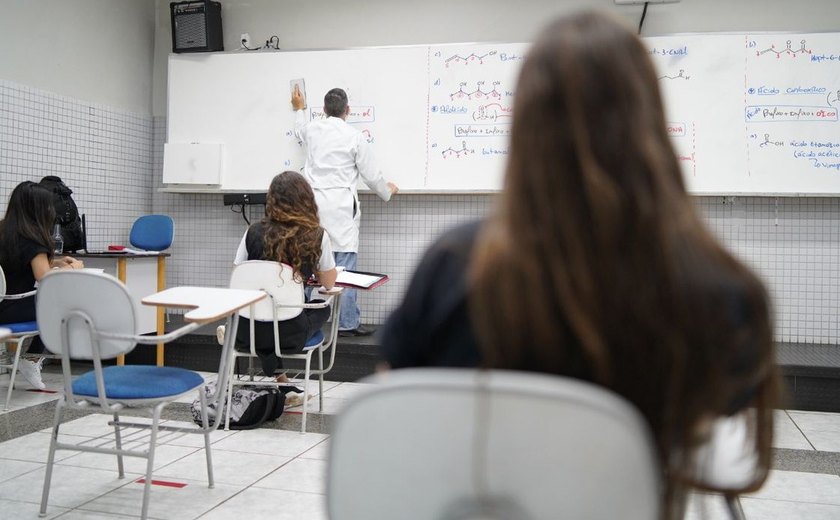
{"points": [[351, 316]]}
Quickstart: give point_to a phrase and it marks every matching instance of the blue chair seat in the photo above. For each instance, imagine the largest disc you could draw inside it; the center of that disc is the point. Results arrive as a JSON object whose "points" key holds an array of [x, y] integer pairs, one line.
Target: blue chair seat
{"points": [[315, 340], [19, 328], [139, 382]]}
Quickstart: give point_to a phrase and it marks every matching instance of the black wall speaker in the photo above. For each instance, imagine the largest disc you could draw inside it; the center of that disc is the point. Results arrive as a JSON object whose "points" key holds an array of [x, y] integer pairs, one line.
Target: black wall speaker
{"points": [[196, 26]]}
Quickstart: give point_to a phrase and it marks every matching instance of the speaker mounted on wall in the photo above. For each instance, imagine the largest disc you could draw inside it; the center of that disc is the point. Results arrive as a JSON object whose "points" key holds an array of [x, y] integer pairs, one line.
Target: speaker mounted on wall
{"points": [[196, 26]]}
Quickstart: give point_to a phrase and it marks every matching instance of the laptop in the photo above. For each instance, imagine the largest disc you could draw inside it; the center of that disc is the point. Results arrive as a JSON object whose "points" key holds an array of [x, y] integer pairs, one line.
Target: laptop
{"points": [[85, 246]]}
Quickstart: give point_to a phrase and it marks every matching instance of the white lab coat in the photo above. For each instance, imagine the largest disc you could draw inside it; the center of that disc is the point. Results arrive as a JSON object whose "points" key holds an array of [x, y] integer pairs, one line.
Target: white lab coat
{"points": [[337, 155]]}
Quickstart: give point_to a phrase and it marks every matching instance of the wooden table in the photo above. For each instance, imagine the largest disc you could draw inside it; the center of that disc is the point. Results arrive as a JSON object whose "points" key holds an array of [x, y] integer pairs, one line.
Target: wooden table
{"points": [[143, 275]]}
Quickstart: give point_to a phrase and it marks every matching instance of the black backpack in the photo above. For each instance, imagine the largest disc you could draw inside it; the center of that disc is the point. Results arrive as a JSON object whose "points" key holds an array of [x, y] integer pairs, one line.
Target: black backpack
{"points": [[251, 406], [66, 213]]}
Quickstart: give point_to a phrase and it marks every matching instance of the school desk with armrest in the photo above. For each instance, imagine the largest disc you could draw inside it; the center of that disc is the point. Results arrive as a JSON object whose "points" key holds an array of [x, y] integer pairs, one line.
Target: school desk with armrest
{"points": [[143, 274]]}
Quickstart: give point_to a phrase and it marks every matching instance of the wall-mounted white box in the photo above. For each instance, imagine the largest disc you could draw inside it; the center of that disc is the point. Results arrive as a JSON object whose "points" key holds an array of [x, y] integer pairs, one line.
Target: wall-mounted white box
{"points": [[192, 163]]}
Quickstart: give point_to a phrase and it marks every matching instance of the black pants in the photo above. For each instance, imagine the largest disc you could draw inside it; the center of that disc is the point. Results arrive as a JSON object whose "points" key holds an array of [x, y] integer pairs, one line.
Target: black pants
{"points": [[293, 335]]}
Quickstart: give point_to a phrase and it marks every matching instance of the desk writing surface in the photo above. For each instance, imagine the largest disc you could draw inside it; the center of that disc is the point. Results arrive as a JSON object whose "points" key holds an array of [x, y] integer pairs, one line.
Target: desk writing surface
{"points": [[208, 303], [118, 255], [747, 113]]}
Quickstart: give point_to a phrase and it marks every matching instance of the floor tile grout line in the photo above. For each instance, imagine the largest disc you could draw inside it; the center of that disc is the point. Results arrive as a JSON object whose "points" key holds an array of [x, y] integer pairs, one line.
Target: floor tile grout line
{"points": [[787, 413]]}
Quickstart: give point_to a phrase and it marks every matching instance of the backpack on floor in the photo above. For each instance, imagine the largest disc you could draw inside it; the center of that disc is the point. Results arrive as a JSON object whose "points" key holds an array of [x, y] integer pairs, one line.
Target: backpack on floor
{"points": [[66, 213], [251, 406]]}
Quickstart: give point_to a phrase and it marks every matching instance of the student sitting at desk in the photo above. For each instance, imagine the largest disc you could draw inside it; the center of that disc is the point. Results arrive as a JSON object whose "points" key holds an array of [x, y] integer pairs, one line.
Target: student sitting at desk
{"points": [[26, 255], [289, 233], [596, 265]]}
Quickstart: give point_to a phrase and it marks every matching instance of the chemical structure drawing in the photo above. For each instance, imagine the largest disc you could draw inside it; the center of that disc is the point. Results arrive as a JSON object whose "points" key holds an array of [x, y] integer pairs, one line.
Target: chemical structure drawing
{"points": [[461, 152], [770, 142], [492, 112], [478, 59], [478, 93], [367, 135], [833, 97], [681, 75], [788, 50]]}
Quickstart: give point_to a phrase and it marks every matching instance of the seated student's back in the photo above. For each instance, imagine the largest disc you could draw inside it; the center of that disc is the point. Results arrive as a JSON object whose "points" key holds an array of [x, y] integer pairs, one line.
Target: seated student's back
{"points": [[595, 263]]}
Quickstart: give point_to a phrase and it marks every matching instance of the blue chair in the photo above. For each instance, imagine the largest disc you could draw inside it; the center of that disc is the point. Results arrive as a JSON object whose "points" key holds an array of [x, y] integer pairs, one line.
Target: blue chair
{"points": [[152, 232], [21, 333], [91, 316]]}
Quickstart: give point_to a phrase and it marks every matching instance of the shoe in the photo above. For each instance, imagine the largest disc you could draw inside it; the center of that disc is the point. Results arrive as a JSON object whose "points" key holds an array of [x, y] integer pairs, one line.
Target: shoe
{"points": [[31, 371], [293, 399], [296, 399], [220, 334], [358, 331]]}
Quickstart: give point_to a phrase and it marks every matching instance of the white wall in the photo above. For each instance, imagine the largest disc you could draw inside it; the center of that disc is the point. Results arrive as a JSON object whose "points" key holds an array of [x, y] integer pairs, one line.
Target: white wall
{"points": [[341, 23], [793, 243], [98, 51]]}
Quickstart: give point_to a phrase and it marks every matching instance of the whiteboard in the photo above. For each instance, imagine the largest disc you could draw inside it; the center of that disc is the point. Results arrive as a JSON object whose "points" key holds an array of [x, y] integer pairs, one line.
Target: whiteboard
{"points": [[748, 114]]}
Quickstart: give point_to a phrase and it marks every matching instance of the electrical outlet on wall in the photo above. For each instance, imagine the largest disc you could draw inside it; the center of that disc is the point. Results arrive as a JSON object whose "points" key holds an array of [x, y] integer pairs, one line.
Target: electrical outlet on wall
{"points": [[244, 40]]}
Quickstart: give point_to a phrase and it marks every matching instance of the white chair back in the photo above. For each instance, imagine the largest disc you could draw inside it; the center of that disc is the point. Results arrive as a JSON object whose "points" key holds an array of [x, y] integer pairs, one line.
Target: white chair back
{"points": [[458, 444], [277, 280], [77, 295], [2, 284]]}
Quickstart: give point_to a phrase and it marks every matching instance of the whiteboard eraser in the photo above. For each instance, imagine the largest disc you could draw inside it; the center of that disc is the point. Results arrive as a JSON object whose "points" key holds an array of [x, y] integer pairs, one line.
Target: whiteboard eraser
{"points": [[300, 86]]}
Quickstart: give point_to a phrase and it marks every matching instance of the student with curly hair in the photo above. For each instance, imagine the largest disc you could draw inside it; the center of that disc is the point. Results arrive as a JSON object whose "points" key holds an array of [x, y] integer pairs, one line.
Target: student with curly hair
{"points": [[289, 233]]}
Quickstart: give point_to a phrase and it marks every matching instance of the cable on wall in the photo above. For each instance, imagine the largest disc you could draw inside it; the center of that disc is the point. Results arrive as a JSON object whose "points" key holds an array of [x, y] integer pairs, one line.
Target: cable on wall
{"points": [[642, 20]]}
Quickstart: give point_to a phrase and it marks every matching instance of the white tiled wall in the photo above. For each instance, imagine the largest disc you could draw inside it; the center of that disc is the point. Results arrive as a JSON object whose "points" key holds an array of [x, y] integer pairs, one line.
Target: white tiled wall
{"points": [[103, 155], [114, 162]]}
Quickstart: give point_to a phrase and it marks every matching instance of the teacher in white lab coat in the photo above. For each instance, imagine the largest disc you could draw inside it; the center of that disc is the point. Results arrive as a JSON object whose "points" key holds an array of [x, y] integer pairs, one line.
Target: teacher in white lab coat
{"points": [[336, 156]]}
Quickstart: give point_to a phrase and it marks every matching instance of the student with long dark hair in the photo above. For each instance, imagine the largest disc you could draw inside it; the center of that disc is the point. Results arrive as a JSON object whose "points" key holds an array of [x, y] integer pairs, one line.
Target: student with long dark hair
{"points": [[595, 263], [26, 255], [289, 233]]}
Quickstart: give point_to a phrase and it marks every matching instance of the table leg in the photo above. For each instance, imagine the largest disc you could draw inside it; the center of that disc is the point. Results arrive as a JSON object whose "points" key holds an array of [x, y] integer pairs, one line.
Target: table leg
{"points": [[121, 276], [161, 285]]}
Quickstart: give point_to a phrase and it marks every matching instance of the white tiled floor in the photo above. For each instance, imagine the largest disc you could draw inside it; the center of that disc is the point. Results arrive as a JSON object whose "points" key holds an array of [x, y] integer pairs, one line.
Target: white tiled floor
{"points": [[277, 474]]}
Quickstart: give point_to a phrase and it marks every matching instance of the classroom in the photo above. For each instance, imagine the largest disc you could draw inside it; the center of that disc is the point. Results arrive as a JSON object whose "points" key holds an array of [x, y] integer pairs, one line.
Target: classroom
{"points": [[91, 91]]}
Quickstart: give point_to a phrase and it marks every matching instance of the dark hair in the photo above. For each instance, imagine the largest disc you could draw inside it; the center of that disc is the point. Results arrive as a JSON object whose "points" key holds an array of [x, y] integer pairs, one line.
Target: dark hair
{"points": [[335, 102], [31, 215], [627, 288], [292, 233]]}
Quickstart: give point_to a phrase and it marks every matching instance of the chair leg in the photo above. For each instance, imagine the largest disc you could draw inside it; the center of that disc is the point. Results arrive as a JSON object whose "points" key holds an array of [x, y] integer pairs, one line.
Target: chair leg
{"points": [[321, 380], [205, 424], [45, 494], [733, 506], [305, 392], [150, 461], [118, 443], [228, 397], [12, 375]]}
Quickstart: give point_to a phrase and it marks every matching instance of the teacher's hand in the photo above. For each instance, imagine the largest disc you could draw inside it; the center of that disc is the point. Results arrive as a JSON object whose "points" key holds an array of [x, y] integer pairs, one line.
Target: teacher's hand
{"points": [[297, 99], [394, 188]]}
